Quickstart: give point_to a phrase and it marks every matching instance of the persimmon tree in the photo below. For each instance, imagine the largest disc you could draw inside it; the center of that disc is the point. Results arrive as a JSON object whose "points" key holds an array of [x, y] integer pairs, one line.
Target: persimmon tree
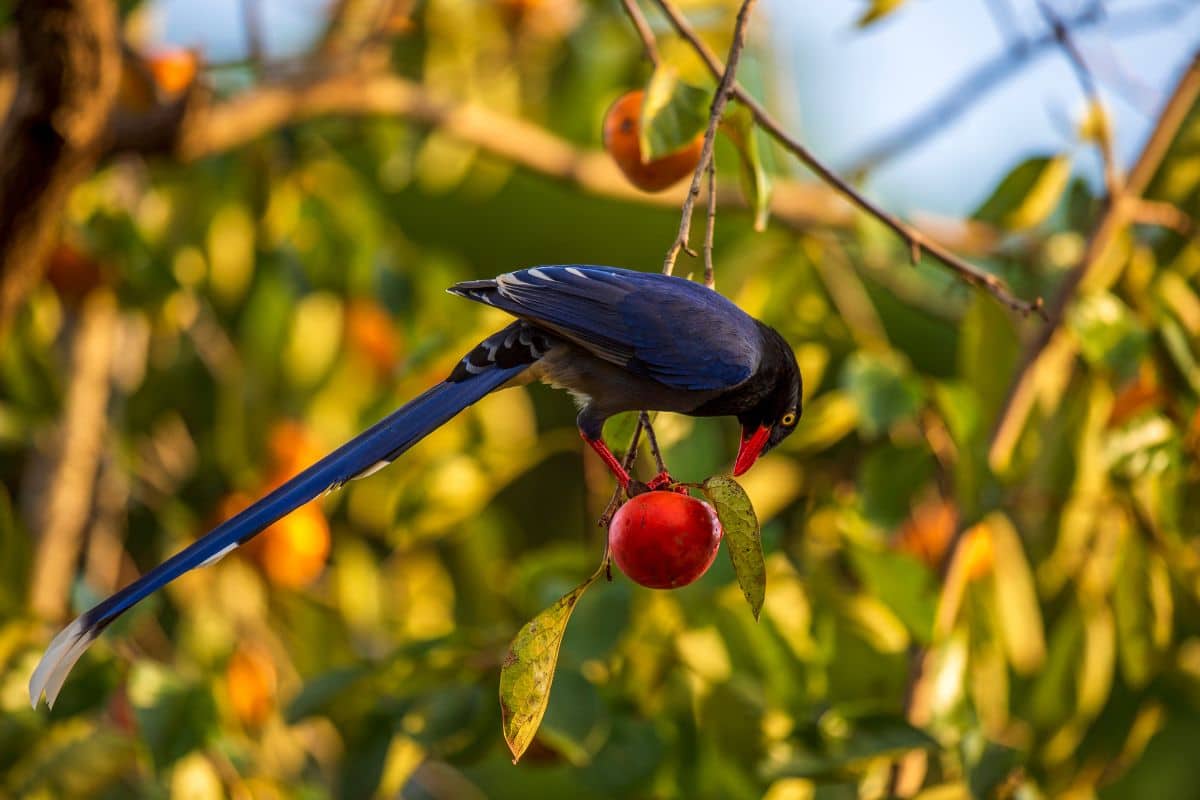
{"points": [[969, 572]]}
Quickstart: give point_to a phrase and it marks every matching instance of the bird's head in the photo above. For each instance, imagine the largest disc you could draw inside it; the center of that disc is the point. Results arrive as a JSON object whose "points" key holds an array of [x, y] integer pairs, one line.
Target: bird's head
{"points": [[773, 418]]}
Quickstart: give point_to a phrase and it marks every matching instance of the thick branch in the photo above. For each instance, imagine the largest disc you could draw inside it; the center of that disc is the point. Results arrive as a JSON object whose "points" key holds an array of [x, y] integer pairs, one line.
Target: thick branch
{"points": [[69, 68], [916, 240], [1120, 210], [198, 127]]}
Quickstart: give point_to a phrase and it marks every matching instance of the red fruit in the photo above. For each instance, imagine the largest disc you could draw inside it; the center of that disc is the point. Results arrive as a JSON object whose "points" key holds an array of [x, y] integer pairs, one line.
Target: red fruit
{"points": [[622, 126], [663, 540]]}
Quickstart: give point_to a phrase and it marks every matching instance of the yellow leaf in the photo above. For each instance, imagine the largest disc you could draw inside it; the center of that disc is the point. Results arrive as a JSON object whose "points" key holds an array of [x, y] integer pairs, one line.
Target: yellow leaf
{"points": [[528, 670], [1020, 616]]}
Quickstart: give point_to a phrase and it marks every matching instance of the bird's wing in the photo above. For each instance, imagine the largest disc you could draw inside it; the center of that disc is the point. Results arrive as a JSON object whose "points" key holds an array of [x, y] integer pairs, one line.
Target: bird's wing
{"points": [[673, 330]]}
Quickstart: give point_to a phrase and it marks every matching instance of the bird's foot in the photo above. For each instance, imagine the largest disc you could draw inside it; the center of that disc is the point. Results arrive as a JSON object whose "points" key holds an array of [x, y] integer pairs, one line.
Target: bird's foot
{"points": [[664, 481], [660, 480]]}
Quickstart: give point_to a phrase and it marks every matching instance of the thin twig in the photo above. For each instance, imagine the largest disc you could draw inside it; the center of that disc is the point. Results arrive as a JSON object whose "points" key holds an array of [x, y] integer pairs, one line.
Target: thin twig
{"points": [[652, 440], [1119, 211], [916, 240], [726, 83], [252, 26], [643, 28], [710, 279], [1083, 74], [627, 463]]}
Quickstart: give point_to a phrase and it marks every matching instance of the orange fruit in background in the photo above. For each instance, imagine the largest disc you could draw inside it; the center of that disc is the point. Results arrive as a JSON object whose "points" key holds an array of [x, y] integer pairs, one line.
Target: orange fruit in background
{"points": [[251, 680], [622, 128], [927, 532], [370, 331], [293, 551], [293, 448], [173, 70], [73, 273]]}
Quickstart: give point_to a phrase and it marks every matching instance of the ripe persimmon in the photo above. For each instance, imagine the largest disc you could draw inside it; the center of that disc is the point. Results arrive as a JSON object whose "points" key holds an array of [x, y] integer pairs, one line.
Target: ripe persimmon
{"points": [[663, 539], [622, 140]]}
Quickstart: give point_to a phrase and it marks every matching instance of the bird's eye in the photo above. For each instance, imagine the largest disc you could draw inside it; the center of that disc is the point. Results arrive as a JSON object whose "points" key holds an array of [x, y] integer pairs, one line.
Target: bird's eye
{"points": [[788, 419]]}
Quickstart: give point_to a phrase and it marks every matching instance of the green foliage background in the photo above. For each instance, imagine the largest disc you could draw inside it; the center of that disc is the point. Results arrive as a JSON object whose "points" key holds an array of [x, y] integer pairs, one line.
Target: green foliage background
{"points": [[1071, 668]]}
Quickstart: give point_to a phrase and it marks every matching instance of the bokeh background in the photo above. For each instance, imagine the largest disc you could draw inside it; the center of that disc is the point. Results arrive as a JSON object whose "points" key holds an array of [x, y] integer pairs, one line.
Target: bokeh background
{"points": [[968, 596]]}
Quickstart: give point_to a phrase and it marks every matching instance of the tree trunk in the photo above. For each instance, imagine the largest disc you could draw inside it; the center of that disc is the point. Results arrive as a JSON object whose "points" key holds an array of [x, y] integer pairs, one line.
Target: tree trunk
{"points": [[69, 67]]}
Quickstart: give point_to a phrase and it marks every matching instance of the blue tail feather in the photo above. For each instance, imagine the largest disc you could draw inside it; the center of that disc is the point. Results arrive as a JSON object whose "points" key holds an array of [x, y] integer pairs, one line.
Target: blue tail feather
{"points": [[369, 451]]}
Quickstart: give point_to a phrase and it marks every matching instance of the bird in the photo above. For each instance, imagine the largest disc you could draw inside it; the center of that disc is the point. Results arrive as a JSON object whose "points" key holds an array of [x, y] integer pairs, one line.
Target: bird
{"points": [[617, 339]]}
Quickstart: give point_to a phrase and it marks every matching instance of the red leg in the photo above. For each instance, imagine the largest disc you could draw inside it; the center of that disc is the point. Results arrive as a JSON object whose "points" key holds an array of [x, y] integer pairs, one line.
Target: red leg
{"points": [[613, 464]]}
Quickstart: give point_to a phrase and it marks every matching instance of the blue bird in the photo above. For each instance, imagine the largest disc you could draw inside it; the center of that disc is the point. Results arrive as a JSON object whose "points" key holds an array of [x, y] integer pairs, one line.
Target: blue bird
{"points": [[618, 340]]}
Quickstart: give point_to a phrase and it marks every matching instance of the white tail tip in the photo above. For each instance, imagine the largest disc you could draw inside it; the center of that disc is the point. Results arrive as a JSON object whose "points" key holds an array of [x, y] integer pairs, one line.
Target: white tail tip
{"points": [[59, 658]]}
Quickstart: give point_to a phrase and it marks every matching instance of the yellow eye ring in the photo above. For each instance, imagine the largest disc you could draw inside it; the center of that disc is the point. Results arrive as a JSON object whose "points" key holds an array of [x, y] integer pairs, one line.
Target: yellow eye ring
{"points": [[788, 420]]}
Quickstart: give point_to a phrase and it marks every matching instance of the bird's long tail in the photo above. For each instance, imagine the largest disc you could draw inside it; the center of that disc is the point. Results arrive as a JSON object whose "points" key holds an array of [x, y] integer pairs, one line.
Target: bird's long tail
{"points": [[495, 361]]}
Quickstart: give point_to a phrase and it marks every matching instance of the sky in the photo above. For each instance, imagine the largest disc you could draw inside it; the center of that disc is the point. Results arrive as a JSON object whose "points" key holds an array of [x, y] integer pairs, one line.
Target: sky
{"points": [[849, 86], [841, 87]]}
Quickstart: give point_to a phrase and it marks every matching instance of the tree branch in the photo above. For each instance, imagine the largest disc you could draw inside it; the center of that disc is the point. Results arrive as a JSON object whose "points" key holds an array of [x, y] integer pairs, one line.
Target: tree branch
{"points": [[197, 127], [916, 240], [725, 85], [643, 28], [1120, 210], [1083, 74]]}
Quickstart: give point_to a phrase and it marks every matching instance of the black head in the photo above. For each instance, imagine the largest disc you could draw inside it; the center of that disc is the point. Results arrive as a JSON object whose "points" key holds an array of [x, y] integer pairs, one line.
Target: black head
{"points": [[773, 418]]}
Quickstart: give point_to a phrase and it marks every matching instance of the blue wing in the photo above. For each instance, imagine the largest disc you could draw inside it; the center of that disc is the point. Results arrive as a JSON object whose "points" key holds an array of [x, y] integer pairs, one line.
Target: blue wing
{"points": [[671, 329]]}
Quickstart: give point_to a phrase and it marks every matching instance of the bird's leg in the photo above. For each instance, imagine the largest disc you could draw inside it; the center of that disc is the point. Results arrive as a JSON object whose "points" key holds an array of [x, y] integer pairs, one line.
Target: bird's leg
{"points": [[614, 465]]}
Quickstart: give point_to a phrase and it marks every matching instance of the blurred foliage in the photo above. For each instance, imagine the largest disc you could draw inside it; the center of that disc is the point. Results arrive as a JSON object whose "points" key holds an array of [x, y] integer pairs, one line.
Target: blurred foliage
{"points": [[275, 300]]}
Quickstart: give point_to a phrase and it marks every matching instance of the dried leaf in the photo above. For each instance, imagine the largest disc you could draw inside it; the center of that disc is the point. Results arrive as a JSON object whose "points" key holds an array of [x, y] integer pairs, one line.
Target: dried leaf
{"points": [[528, 670]]}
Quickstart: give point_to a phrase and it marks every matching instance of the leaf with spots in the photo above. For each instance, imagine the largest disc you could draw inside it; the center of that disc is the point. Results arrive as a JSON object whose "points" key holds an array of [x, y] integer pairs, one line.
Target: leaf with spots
{"points": [[528, 670], [743, 537]]}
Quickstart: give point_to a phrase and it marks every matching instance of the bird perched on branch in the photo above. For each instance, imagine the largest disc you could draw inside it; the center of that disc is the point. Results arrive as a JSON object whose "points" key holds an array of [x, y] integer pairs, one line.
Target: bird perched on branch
{"points": [[618, 340]]}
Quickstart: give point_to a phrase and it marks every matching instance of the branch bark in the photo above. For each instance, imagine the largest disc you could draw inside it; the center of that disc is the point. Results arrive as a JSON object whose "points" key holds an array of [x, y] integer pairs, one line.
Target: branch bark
{"points": [[70, 64], [81, 443]]}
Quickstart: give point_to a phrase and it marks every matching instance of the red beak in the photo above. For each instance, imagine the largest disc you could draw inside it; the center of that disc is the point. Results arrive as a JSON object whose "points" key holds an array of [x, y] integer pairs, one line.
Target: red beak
{"points": [[752, 445]]}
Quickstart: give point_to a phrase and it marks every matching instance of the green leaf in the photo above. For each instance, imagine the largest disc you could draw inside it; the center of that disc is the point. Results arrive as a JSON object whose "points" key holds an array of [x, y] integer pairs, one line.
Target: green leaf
{"points": [[322, 692], [877, 10], [743, 537], [987, 352], [1028, 194], [528, 670], [673, 114], [174, 718], [1108, 333], [883, 389], [738, 125]]}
